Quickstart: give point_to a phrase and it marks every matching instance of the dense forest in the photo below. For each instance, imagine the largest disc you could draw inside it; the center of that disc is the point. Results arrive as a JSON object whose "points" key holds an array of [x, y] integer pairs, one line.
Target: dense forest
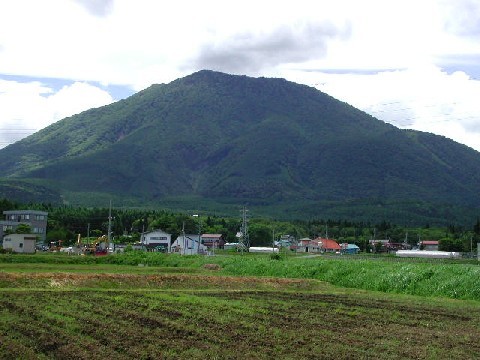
{"points": [[66, 222]]}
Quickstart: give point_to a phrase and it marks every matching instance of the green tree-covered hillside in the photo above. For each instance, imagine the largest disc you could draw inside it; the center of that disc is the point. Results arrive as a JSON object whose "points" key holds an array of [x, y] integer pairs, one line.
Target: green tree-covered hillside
{"points": [[216, 141]]}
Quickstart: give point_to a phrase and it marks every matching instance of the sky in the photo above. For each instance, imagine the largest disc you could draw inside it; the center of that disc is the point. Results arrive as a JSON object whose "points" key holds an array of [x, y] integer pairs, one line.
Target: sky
{"points": [[414, 64]]}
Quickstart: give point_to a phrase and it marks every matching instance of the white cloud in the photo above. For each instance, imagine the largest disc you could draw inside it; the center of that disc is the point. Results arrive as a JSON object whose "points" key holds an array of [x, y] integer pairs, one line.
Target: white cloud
{"points": [[249, 52], [423, 98], [29, 107], [464, 17], [97, 7], [76, 98]]}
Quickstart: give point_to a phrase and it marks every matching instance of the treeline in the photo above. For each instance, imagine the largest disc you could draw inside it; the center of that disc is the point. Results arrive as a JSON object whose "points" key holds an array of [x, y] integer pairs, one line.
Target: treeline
{"points": [[66, 222]]}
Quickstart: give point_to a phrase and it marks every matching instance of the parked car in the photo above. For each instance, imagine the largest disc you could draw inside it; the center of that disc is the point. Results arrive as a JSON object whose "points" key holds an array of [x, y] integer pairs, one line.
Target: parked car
{"points": [[41, 248]]}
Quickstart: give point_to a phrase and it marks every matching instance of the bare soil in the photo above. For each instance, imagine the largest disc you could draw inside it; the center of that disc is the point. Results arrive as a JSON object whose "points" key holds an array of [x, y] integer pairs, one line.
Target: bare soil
{"points": [[88, 316]]}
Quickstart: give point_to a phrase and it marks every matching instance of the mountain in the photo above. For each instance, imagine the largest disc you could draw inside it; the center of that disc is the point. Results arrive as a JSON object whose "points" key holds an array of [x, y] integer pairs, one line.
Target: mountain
{"points": [[214, 141]]}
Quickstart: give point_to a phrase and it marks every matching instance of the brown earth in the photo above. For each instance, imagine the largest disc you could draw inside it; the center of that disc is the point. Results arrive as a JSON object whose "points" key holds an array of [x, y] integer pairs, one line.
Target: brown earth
{"points": [[231, 318]]}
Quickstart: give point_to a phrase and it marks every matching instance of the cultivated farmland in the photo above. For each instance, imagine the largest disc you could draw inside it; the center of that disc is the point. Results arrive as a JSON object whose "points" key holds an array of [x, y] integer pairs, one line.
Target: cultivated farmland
{"points": [[93, 311]]}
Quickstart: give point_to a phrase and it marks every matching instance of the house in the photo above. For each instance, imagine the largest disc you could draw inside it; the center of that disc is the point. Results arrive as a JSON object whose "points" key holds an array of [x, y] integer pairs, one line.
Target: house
{"points": [[393, 247], [301, 245], [37, 220], [285, 241], [215, 241], [318, 245], [156, 240], [188, 245], [328, 245], [20, 243], [349, 248], [431, 245], [308, 245], [378, 245], [387, 245]]}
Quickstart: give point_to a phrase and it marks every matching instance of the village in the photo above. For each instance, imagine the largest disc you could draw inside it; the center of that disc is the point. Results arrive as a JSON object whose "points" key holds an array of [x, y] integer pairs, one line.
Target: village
{"points": [[189, 244]]}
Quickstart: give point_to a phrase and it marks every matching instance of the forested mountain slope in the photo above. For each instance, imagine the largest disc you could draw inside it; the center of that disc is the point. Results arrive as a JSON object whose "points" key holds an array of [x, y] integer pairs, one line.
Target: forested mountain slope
{"points": [[213, 138]]}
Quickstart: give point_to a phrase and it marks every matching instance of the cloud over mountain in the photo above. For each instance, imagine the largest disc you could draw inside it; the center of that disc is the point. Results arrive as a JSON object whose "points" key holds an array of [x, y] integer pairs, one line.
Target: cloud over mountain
{"points": [[249, 52]]}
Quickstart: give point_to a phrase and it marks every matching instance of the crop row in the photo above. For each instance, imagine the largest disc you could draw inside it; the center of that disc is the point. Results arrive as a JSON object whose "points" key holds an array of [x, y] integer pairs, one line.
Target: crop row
{"points": [[460, 281], [253, 324]]}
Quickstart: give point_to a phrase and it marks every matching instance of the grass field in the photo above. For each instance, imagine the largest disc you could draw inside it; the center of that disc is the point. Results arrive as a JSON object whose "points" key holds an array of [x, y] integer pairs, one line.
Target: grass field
{"points": [[55, 310]]}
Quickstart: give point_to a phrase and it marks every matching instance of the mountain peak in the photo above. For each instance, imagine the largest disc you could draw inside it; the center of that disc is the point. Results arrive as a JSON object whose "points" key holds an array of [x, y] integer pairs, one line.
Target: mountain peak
{"points": [[215, 138]]}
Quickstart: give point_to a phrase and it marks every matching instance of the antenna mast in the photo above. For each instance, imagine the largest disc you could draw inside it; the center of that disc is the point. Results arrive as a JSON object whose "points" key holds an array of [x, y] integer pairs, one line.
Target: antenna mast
{"points": [[244, 239]]}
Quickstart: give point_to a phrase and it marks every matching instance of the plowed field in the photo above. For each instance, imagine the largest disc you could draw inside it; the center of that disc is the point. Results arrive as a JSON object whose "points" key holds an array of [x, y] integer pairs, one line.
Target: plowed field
{"points": [[121, 316]]}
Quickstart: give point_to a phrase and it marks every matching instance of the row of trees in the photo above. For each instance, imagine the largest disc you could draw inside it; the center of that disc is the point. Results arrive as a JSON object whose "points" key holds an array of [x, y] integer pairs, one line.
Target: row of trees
{"points": [[65, 223]]}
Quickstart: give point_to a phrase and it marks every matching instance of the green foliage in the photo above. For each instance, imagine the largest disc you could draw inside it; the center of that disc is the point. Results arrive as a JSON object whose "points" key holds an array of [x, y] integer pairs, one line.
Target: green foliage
{"points": [[449, 244], [55, 234], [23, 229], [212, 141], [275, 256], [6, 205]]}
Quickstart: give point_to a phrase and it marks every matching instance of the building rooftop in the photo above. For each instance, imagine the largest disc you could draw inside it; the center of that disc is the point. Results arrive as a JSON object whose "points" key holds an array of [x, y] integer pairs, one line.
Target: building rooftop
{"points": [[35, 212]]}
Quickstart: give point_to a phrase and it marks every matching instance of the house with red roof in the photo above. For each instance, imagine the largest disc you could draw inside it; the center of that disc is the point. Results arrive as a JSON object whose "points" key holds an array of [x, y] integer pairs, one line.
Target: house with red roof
{"points": [[329, 245], [318, 245], [431, 245]]}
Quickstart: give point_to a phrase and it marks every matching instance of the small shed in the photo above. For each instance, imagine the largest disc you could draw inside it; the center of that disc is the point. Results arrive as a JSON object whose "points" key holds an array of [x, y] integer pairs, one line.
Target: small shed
{"points": [[20, 243], [188, 245]]}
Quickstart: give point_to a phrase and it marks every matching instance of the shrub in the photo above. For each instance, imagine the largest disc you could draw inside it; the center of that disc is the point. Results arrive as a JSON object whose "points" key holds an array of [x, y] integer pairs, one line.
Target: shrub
{"points": [[275, 256]]}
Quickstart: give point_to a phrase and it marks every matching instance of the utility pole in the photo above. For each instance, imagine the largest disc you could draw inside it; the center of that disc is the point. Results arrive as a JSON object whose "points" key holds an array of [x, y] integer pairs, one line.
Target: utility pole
{"points": [[109, 236], [88, 233], [199, 232], [183, 234], [273, 240]]}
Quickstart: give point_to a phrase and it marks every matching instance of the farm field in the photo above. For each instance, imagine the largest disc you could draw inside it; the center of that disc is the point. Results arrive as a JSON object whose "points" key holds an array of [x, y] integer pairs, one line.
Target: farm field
{"points": [[93, 311]]}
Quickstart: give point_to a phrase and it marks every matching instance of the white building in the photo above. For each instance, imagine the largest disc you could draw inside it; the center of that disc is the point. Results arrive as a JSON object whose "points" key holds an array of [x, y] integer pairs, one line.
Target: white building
{"points": [[188, 245], [156, 240], [20, 243]]}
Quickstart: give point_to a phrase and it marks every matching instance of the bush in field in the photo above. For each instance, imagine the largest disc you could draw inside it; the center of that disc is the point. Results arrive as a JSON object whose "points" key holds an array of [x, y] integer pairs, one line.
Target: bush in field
{"points": [[275, 256]]}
